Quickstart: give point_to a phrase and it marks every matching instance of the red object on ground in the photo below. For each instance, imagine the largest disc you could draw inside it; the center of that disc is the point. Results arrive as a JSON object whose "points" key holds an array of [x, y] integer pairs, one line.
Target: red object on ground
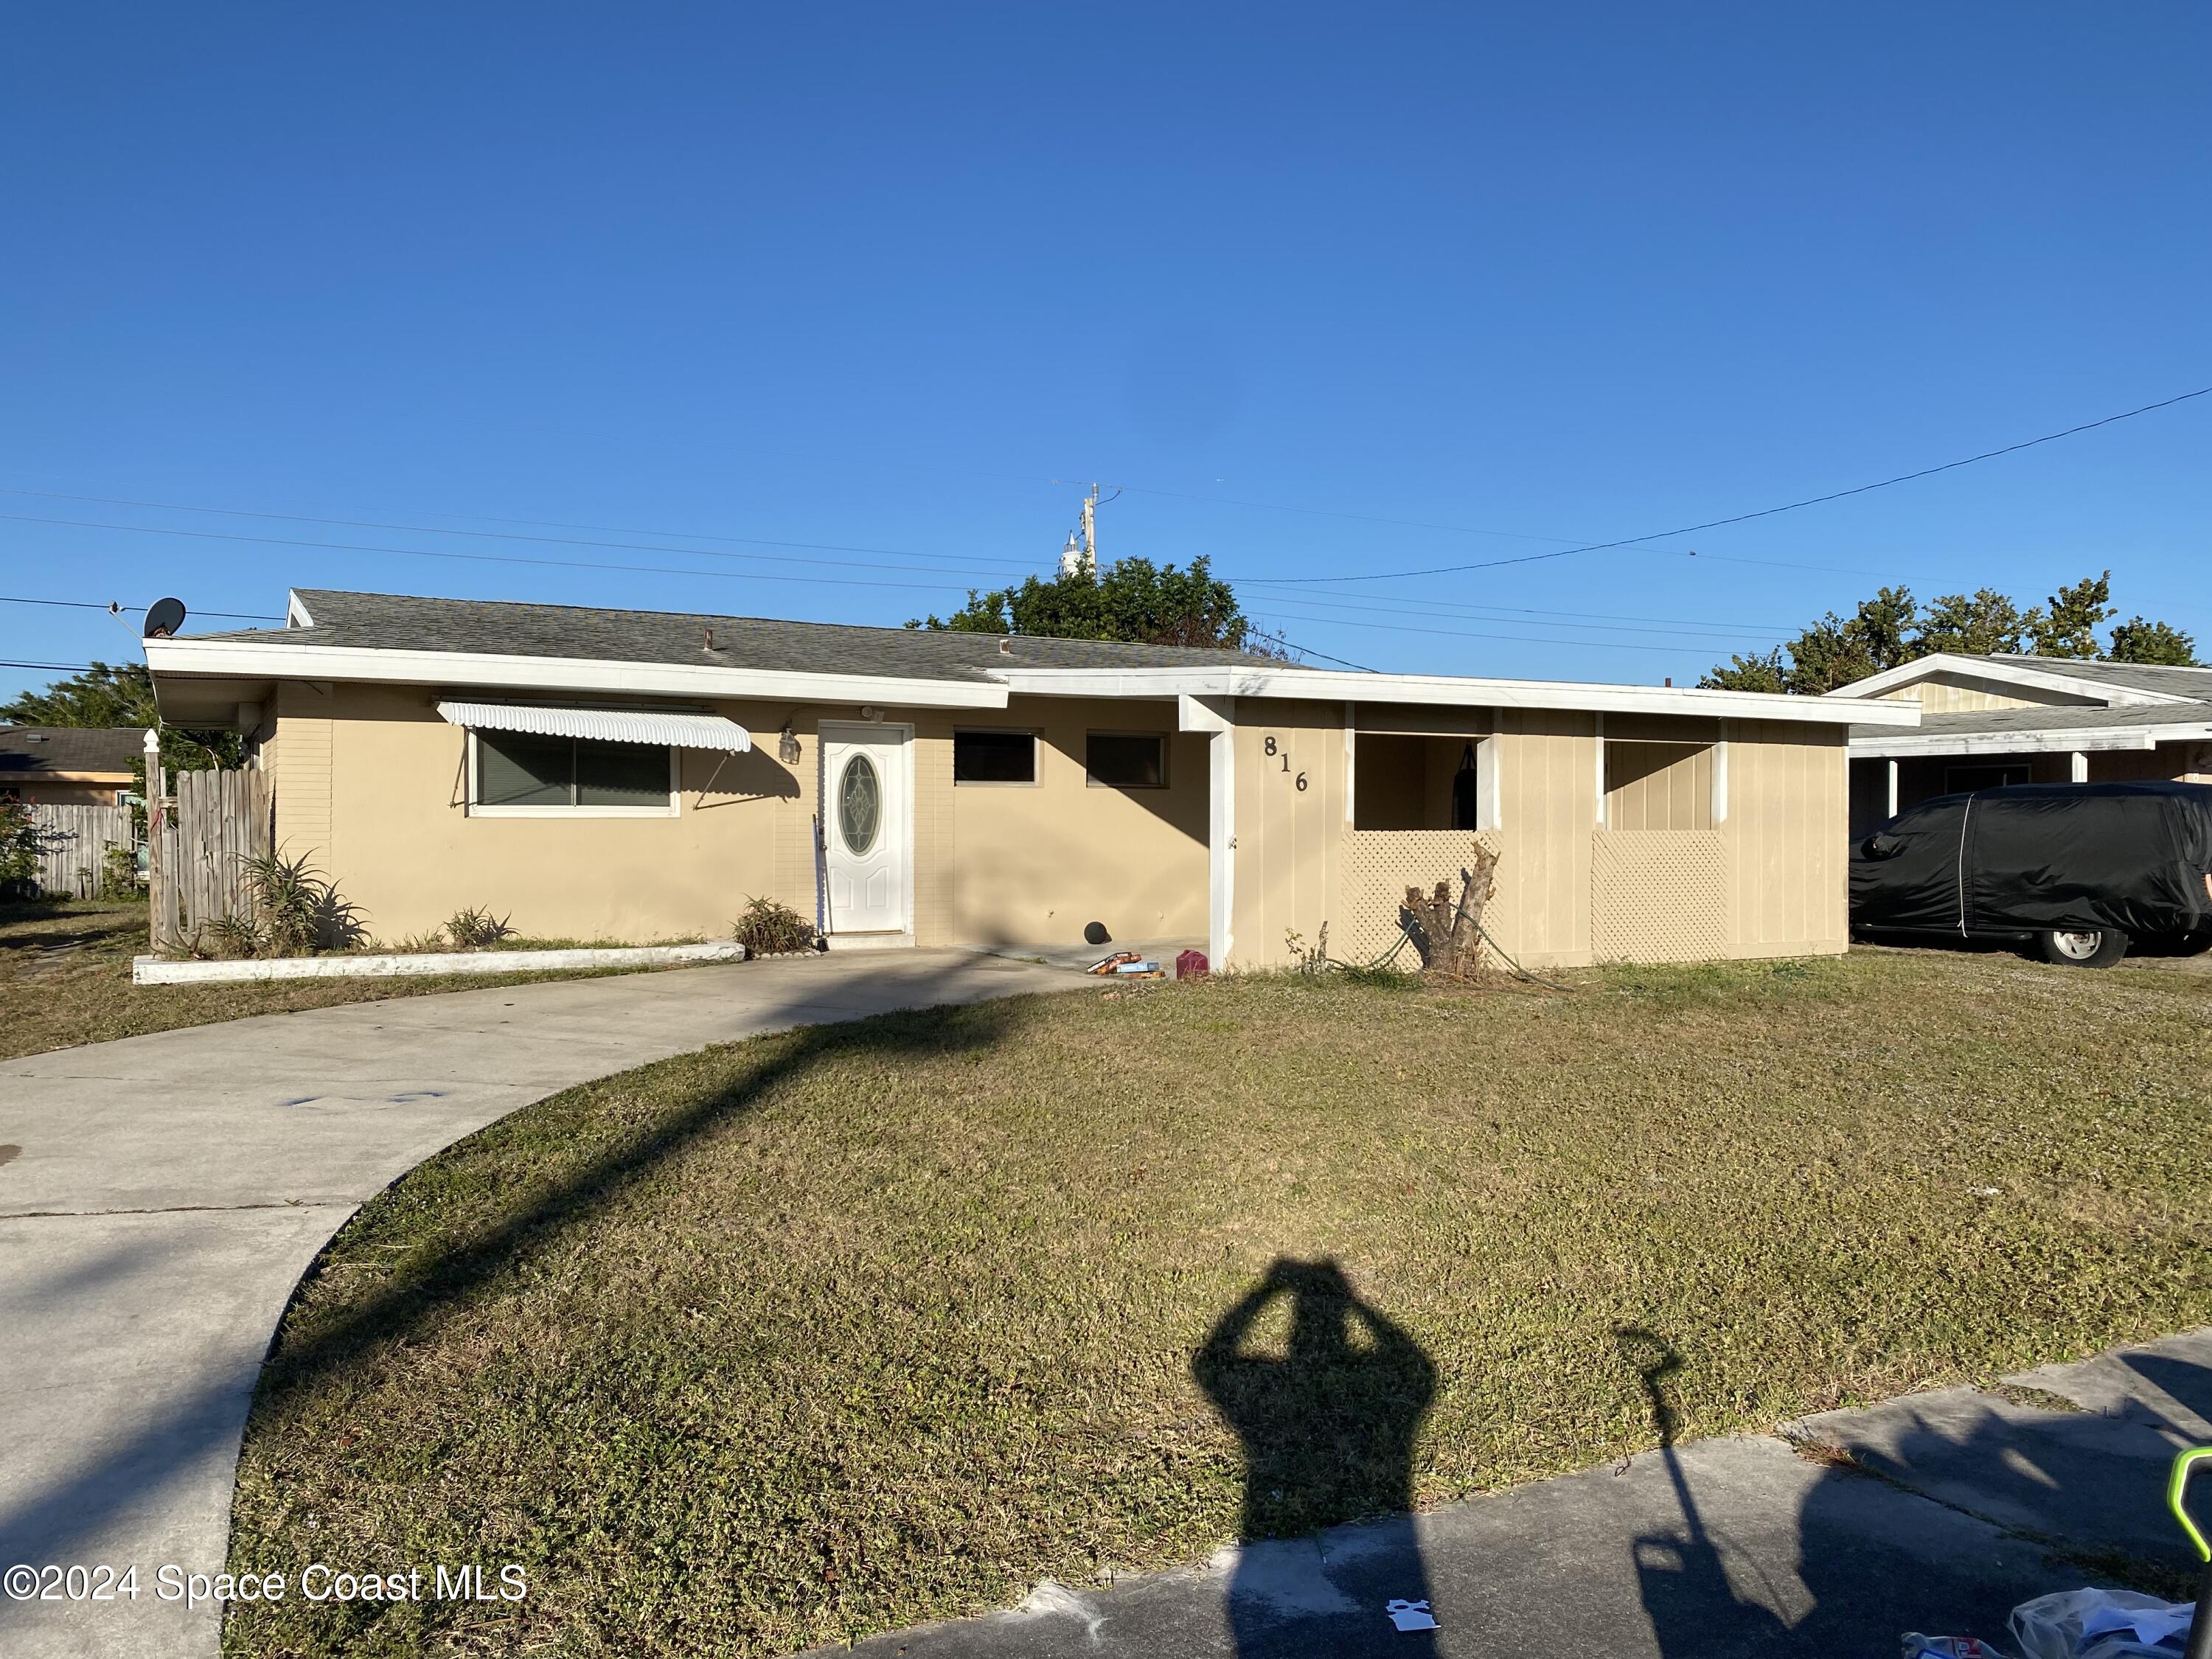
{"points": [[1191, 964]]}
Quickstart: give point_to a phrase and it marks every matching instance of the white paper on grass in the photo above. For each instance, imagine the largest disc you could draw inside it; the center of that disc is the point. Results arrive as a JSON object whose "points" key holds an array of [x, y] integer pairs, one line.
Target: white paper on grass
{"points": [[1411, 1615]]}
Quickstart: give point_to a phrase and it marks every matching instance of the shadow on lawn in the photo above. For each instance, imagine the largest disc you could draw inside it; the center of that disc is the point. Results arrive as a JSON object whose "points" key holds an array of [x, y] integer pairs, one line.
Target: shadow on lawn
{"points": [[305, 1353], [1328, 1429]]}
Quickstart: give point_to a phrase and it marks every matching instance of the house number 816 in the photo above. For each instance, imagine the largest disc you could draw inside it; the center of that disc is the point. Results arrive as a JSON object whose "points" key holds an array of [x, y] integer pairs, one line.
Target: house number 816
{"points": [[1273, 749]]}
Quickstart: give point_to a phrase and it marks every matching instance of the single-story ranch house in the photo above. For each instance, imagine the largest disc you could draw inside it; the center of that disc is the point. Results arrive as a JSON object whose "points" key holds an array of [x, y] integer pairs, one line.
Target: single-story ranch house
{"points": [[1988, 721], [68, 765], [631, 774]]}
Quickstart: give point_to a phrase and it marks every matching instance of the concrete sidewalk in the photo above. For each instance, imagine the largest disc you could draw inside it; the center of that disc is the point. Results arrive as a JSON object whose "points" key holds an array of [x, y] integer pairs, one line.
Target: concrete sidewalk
{"points": [[1714, 1550], [161, 1196]]}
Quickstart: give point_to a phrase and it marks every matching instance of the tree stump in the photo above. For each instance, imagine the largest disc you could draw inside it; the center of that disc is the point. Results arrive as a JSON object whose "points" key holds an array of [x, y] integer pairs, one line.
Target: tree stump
{"points": [[1448, 932]]}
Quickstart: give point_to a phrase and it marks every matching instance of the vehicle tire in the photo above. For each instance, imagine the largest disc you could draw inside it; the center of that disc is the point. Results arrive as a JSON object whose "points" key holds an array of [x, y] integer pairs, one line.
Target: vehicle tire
{"points": [[2088, 948]]}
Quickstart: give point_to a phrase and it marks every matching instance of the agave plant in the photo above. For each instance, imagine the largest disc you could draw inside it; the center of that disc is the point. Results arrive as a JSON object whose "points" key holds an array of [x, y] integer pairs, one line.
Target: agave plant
{"points": [[296, 911], [474, 929], [230, 937]]}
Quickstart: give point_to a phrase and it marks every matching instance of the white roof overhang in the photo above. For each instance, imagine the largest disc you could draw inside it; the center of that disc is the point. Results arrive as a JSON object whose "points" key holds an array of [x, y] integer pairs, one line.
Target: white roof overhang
{"points": [[606, 724], [1445, 690], [319, 664], [2036, 740], [2004, 675]]}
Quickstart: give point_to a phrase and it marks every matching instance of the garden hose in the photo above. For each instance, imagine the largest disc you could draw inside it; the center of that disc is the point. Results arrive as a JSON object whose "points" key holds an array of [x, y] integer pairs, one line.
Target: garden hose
{"points": [[2200, 1628]]}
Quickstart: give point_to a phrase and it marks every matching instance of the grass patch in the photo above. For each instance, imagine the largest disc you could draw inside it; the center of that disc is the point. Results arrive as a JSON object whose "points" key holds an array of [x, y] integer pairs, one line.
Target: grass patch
{"points": [[832, 1331], [65, 979]]}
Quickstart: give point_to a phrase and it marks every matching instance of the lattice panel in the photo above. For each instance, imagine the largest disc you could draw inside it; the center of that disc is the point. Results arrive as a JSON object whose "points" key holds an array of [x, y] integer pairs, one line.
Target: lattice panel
{"points": [[1658, 896], [1374, 869]]}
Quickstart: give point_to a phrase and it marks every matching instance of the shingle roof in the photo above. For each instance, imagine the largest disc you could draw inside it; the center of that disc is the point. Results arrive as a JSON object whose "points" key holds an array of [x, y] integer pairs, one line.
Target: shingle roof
{"points": [[2195, 683], [31, 751], [394, 622], [2048, 718]]}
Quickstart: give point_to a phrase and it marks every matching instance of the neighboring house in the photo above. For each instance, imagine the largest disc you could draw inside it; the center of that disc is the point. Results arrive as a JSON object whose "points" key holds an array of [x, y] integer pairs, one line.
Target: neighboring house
{"points": [[635, 775], [68, 765], [1986, 721]]}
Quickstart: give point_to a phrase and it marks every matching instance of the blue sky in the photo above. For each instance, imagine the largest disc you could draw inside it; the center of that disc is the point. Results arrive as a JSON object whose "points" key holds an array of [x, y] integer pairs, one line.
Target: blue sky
{"points": [[892, 279]]}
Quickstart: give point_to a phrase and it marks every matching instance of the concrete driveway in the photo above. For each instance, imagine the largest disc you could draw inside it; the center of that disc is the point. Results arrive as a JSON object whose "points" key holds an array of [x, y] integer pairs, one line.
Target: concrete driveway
{"points": [[160, 1197]]}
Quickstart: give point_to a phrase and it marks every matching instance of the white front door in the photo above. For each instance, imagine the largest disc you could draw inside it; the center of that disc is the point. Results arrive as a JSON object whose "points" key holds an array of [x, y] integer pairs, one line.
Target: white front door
{"points": [[866, 827]]}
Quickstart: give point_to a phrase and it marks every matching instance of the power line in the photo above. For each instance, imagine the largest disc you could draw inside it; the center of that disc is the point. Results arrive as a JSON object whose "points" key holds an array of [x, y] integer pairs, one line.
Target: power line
{"points": [[94, 605], [1582, 619], [52, 667], [1523, 639], [550, 541], [490, 558], [1764, 512]]}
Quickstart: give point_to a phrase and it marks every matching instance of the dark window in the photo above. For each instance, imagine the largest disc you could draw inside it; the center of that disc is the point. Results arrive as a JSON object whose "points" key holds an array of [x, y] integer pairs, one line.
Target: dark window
{"points": [[1126, 760], [519, 768], [994, 757]]}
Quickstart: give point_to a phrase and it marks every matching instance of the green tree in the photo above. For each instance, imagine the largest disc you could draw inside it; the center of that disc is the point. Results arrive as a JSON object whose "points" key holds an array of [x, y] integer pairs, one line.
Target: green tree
{"points": [[2070, 629], [2138, 641], [1889, 629], [1132, 599], [1986, 623], [1834, 651], [122, 694]]}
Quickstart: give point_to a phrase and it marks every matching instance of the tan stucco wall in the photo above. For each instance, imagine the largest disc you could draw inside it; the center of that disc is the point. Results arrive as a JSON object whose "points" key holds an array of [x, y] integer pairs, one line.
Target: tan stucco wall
{"points": [[1034, 863], [368, 784]]}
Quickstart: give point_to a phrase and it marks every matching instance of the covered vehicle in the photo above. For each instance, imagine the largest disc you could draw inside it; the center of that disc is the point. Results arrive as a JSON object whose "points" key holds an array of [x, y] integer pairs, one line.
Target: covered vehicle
{"points": [[2081, 868]]}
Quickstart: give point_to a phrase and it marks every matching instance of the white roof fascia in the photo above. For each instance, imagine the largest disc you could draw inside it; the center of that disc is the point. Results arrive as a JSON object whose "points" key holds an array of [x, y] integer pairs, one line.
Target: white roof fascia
{"points": [[273, 659], [1448, 690], [296, 610], [1997, 673], [2046, 741]]}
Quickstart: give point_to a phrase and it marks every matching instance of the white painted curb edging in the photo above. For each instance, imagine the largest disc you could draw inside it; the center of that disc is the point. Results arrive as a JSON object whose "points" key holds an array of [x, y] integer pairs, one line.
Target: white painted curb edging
{"points": [[154, 971]]}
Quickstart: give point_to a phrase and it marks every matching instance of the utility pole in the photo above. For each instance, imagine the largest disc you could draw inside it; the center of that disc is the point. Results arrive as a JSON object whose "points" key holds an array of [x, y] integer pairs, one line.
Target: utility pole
{"points": [[1081, 552]]}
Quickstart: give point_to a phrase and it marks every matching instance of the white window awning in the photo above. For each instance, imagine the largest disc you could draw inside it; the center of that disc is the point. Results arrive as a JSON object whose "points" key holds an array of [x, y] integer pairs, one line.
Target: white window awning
{"points": [[606, 724]]}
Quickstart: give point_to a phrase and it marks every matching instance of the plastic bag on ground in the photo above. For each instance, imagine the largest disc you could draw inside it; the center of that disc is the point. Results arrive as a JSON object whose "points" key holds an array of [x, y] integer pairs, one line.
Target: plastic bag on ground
{"points": [[2096, 1624]]}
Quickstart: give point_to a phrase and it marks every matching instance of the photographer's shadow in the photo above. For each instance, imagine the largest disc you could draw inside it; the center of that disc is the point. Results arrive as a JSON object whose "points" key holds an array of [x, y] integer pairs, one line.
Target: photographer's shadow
{"points": [[1328, 1427]]}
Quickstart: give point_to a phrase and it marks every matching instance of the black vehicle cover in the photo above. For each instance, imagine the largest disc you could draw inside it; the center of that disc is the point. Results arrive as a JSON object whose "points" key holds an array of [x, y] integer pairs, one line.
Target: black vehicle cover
{"points": [[2071, 856]]}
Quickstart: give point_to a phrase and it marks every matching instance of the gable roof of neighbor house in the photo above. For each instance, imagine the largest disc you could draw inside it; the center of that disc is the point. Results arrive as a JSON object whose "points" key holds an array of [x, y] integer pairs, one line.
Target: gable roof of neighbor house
{"points": [[89, 754], [2115, 705], [399, 639]]}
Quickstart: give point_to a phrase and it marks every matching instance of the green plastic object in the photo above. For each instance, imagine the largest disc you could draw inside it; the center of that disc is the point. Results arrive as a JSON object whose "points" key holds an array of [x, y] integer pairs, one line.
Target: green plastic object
{"points": [[2176, 1484]]}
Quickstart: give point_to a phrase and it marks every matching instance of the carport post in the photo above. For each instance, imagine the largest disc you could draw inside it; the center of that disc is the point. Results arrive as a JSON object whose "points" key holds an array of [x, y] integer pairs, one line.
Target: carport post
{"points": [[2080, 772], [1892, 768], [1216, 717]]}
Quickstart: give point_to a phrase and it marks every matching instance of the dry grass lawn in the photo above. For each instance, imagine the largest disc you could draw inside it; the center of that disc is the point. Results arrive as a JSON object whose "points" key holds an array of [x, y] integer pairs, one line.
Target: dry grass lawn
{"points": [[65, 979], [833, 1331]]}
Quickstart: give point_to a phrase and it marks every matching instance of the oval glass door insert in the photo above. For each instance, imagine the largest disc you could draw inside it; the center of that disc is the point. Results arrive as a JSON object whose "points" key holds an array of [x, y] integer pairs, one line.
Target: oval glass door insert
{"points": [[860, 805]]}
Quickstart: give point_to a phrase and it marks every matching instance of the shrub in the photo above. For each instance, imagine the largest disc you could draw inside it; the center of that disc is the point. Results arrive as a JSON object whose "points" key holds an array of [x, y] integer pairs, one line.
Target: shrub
{"points": [[474, 929], [770, 929], [296, 911], [118, 873], [228, 938], [23, 839]]}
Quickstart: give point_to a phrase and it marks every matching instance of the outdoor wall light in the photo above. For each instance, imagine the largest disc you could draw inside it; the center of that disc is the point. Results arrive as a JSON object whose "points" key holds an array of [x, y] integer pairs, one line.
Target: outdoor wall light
{"points": [[787, 745]]}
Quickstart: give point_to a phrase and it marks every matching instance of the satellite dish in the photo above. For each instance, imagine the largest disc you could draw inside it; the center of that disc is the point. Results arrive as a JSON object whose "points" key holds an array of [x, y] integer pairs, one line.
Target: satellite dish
{"points": [[164, 617]]}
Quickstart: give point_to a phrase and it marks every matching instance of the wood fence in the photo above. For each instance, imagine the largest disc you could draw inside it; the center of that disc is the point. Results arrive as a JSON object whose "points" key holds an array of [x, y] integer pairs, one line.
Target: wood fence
{"points": [[73, 855], [213, 823]]}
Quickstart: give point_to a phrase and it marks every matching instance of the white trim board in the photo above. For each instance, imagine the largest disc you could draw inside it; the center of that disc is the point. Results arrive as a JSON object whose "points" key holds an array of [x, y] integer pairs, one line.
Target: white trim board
{"points": [[1443, 691], [2046, 740], [2024, 676], [275, 660]]}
